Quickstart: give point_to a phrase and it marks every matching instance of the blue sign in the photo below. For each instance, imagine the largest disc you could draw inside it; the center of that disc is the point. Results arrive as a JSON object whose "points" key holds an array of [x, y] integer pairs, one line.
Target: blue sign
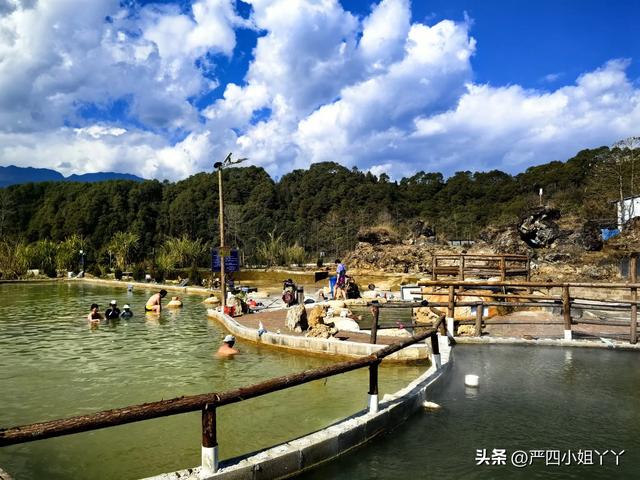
{"points": [[231, 261]]}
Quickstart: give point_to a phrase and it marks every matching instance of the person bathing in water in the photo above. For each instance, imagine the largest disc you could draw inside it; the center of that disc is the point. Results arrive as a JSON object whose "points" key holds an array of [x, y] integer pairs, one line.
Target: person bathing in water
{"points": [[154, 304], [113, 312], [94, 315], [126, 312], [226, 349]]}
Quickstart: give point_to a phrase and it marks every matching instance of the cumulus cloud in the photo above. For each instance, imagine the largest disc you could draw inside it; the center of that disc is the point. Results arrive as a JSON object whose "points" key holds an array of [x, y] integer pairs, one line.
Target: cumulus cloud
{"points": [[59, 54], [376, 91], [511, 128]]}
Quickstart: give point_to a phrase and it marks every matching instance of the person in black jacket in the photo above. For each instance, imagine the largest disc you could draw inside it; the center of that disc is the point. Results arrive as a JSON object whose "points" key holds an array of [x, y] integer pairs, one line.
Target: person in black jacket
{"points": [[113, 312]]}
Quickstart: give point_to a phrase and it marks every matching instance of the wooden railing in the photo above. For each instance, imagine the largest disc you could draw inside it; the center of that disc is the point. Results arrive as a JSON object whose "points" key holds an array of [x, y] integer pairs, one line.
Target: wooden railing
{"points": [[209, 402], [480, 266], [520, 296]]}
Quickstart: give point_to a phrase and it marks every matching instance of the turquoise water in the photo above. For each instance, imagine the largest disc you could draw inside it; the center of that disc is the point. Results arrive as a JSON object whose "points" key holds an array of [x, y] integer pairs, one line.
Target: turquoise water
{"points": [[53, 365], [549, 399]]}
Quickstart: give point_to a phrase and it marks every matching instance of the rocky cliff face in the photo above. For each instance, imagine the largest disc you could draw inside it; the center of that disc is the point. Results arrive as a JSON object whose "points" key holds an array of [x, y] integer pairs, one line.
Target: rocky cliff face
{"points": [[631, 142], [560, 247]]}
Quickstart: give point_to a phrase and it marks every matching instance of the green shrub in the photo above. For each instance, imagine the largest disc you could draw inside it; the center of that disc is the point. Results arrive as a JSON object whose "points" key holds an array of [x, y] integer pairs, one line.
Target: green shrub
{"points": [[138, 272], [194, 275]]}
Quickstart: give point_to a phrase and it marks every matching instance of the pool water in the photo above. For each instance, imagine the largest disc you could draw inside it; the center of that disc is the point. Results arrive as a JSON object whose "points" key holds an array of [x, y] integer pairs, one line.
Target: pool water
{"points": [[53, 365], [545, 399]]}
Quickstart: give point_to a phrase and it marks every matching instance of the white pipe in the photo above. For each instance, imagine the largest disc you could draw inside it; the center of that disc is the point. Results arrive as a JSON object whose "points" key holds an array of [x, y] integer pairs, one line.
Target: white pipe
{"points": [[450, 326], [373, 403], [436, 361], [209, 461]]}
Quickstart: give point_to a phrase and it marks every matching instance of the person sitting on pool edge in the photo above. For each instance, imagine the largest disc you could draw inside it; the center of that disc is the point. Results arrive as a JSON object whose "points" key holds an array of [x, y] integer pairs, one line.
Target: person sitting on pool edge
{"points": [[154, 304], [126, 312], [94, 315], [226, 349]]}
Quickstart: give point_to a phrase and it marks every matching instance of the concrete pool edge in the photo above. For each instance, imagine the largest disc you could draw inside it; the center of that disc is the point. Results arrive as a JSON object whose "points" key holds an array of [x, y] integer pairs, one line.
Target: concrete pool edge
{"points": [[328, 347], [547, 342], [306, 452]]}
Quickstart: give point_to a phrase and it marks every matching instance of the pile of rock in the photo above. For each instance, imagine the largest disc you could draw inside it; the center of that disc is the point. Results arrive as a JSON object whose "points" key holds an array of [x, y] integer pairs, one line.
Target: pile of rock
{"points": [[326, 320]]}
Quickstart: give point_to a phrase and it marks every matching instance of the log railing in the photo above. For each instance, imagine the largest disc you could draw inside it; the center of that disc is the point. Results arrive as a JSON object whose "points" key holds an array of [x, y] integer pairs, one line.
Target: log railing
{"points": [[566, 300], [480, 266], [209, 402]]}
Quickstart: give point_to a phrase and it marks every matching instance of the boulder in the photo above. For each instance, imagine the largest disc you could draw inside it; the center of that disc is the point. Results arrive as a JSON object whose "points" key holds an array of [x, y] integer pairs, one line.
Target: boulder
{"points": [[212, 300], [467, 330], [377, 236], [590, 237], [424, 315], [336, 304], [538, 228], [555, 257], [421, 229], [175, 303], [297, 318], [321, 330], [345, 324], [316, 316]]}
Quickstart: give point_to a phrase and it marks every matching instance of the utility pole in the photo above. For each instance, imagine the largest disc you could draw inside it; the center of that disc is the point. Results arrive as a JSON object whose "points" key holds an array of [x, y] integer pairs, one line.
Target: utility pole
{"points": [[222, 251]]}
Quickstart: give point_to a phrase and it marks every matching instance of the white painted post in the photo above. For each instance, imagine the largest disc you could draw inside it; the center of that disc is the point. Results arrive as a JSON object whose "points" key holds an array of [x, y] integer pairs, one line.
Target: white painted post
{"points": [[373, 387], [567, 334], [450, 326], [435, 351], [209, 461], [209, 453], [373, 403]]}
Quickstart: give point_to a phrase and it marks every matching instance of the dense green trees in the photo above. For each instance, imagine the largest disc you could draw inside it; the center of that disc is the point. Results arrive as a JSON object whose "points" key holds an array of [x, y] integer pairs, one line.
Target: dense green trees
{"points": [[308, 211]]}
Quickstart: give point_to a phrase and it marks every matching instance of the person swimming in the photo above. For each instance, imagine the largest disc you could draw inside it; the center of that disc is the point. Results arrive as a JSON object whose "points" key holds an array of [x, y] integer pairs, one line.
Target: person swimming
{"points": [[126, 312], [113, 312], [154, 304], [94, 315], [226, 349]]}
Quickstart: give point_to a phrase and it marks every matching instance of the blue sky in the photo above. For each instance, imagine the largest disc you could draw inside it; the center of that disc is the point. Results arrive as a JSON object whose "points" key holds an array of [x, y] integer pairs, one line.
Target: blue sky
{"points": [[162, 89]]}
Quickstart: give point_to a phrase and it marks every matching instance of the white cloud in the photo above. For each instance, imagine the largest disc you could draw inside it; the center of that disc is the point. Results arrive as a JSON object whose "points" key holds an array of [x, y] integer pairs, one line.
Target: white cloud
{"points": [[378, 92], [63, 53], [510, 128]]}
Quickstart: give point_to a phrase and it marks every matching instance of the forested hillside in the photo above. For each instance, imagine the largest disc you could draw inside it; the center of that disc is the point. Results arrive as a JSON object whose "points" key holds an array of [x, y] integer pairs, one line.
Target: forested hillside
{"points": [[320, 209]]}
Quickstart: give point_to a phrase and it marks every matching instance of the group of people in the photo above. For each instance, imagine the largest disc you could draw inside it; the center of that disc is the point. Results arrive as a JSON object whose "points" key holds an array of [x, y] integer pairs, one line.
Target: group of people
{"points": [[112, 313], [153, 305]]}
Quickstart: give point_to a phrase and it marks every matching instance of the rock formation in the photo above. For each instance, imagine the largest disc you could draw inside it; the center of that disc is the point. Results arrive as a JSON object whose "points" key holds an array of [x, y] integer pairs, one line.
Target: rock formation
{"points": [[297, 318]]}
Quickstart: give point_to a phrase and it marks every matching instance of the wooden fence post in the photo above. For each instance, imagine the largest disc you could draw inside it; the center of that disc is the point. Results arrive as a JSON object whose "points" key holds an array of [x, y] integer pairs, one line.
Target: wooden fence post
{"points": [[434, 264], [479, 313], [503, 269], [451, 307], [633, 267], [373, 387], [566, 311], [209, 440], [375, 311], [461, 267]]}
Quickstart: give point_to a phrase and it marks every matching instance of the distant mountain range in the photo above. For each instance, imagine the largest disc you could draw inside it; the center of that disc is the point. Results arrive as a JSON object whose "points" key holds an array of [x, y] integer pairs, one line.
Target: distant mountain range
{"points": [[13, 175]]}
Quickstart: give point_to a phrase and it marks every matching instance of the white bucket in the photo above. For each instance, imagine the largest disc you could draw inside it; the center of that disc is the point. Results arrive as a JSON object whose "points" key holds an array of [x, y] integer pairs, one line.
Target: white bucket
{"points": [[471, 380]]}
